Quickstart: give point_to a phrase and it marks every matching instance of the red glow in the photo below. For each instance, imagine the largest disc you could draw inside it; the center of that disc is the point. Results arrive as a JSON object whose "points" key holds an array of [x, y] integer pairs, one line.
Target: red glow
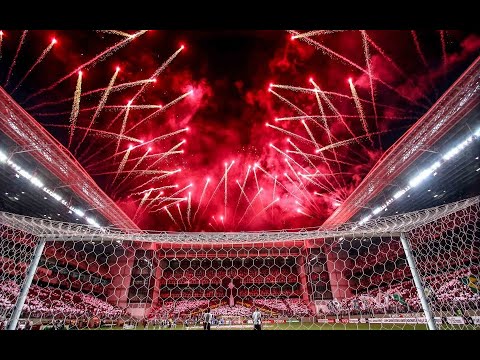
{"points": [[292, 37], [80, 72], [276, 119], [182, 46], [129, 102], [154, 80], [117, 68], [310, 79], [187, 128], [130, 147], [350, 80], [1, 33], [149, 149], [54, 41]]}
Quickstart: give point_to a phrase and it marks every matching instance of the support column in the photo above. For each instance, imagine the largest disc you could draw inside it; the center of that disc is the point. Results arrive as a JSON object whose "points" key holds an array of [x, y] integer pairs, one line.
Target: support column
{"points": [[418, 283], [338, 283], [122, 274], [17, 310], [156, 285], [303, 276]]}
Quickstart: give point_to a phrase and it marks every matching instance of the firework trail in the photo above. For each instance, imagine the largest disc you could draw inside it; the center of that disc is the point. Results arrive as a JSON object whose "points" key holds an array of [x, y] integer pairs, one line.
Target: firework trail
{"points": [[304, 191], [250, 205], [349, 141], [241, 191], [385, 56], [334, 109], [189, 208], [156, 178], [332, 54], [256, 181], [181, 216], [171, 217], [135, 159], [419, 49], [101, 104], [145, 197], [38, 61], [92, 92], [225, 191], [310, 133], [301, 153], [122, 164], [274, 188], [172, 196], [301, 212], [213, 217], [332, 93], [296, 108], [163, 108], [168, 153], [115, 32], [278, 181], [10, 70], [100, 57], [444, 50], [156, 189], [290, 158], [315, 32], [321, 157], [263, 210], [301, 138], [75, 108], [141, 172], [124, 124], [201, 198], [133, 169], [389, 59], [1, 41], [138, 123], [101, 133], [216, 188], [330, 140], [360, 110], [366, 52]]}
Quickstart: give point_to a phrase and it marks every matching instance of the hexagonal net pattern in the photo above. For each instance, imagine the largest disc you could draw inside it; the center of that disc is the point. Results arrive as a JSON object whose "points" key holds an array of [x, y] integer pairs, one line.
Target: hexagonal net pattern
{"points": [[373, 275]]}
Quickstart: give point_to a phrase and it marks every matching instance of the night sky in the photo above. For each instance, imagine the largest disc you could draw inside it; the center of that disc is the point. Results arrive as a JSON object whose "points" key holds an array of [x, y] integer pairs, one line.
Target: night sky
{"points": [[228, 74]]}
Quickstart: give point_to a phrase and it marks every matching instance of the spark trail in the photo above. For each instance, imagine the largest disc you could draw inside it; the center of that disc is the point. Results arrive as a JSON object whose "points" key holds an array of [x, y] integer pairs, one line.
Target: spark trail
{"points": [[124, 124], [145, 197], [278, 181], [115, 32], [181, 216], [171, 216], [100, 57], [250, 205], [444, 50], [301, 138], [101, 133], [332, 93], [256, 181], [75, 108], [101, 104], [349, 141], [122, 164], [301, 153], [263, 210], [189, 208], [310, 133], [156, 189], [216, 189], [242, 187], [156, 178], [172, 196], [1, 41], [38, 61], [133, 169], [334, 109], [201, 198], [419, 49], [360, 110], [332, 53], [366, 52], [274, 188], [10, 70], [314, 33]]}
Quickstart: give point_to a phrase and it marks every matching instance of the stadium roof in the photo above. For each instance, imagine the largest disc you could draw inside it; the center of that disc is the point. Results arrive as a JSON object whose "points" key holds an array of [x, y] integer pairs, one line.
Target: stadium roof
{"points": [[64, 192], [451, 120]]}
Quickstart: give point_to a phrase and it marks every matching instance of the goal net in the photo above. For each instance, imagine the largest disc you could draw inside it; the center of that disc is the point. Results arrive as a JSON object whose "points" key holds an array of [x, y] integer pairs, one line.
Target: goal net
{"points": [[395, 272]]}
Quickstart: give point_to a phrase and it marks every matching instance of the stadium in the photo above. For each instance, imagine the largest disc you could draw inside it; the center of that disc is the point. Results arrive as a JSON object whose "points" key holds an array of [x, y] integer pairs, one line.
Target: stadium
{"points": [[327, 178]]}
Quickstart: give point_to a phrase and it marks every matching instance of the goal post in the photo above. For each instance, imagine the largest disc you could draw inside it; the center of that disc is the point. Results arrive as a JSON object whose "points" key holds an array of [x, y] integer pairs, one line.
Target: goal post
{"points": [[415, 270]]}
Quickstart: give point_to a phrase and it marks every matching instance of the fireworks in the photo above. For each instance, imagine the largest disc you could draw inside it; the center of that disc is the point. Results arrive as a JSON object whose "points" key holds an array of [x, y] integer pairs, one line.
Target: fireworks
{"points": [[10, 70], [75, 108], [38, 61], [128, 134]]}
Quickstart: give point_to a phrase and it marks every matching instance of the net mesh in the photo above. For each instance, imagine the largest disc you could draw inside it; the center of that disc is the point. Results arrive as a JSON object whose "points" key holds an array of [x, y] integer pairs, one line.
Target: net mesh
{"points": [[355, 276]]}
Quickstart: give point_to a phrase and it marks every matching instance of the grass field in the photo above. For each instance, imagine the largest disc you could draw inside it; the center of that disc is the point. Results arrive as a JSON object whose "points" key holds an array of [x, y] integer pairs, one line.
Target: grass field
{"points": [[296, 326]]}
